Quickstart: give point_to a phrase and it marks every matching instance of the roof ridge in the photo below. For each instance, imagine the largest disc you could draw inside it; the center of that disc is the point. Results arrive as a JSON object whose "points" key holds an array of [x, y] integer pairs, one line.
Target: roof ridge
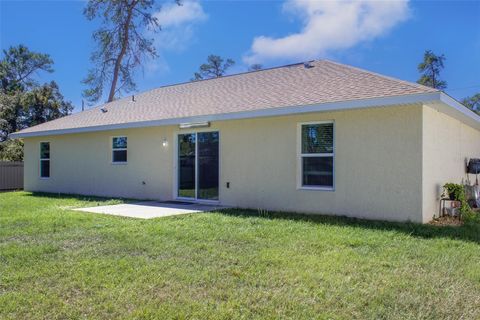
{"points": [[204, 80], [232, 75], [413, 84]]}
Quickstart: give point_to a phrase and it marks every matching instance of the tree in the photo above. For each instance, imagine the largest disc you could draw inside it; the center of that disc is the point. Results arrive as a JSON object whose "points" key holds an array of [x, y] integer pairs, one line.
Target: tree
{"points": [[121, 45], [28, 108], [10, 113], [18, 67], [23, 102], [430, 68], [255, 67], [42, 104], [473, 103], [214, 68], [11, 150]]}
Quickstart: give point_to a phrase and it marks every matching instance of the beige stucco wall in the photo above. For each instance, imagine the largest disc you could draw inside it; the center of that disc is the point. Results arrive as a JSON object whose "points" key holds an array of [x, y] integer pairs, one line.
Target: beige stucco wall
{"points": [[81, 164], [378, 164], [447, 144]]}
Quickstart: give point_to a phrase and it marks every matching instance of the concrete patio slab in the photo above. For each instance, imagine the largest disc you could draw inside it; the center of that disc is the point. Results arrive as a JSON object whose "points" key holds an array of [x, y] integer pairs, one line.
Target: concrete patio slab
{"points": [[151, 209]]}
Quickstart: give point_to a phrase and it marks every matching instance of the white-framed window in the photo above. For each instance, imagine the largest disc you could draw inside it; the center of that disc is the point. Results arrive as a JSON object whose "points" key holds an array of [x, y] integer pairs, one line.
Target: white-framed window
{"points": [[119, 149], [316, 155], [44, 160]]}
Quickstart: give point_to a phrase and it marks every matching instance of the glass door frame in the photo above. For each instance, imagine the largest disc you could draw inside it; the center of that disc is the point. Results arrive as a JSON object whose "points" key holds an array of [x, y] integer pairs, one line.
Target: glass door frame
{"points": [[176, 166]]}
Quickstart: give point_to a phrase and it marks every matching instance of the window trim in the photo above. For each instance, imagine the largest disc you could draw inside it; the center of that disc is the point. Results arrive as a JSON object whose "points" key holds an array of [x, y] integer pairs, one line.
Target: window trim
{"points": [[301, 155], [112, 150], [40, 160]]}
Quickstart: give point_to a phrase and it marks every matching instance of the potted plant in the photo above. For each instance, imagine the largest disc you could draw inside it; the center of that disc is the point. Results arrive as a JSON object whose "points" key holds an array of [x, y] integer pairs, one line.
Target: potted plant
{"points": [[454, 191]]}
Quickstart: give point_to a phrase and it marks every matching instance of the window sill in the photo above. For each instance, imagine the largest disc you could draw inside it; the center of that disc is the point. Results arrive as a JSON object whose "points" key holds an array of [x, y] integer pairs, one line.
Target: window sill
{"points": [[119, 163], [316, 188], [44, 178]]}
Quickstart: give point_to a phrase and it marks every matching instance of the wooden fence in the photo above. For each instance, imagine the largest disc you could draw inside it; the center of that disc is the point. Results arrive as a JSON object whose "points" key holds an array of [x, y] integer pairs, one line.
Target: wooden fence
{"points": [[11, 175]]}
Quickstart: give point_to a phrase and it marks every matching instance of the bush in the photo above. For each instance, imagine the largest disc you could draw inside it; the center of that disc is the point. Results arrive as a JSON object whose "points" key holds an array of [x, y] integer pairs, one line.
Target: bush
{"points": [[11, 150], [457, 192]]}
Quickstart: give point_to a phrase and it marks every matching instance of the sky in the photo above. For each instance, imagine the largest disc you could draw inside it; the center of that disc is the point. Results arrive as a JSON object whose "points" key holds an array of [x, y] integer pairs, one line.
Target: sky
{"points": [[388, 37]]}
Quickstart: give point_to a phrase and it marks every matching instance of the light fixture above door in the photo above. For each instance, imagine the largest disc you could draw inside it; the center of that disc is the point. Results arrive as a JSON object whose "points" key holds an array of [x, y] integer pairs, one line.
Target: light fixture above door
{"points": [[189, 125]]}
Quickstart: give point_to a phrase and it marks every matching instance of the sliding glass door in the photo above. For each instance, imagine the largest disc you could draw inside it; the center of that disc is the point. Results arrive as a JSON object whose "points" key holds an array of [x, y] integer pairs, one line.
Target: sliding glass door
{"points": [[207, 164], [187, 165], [198, 165]]}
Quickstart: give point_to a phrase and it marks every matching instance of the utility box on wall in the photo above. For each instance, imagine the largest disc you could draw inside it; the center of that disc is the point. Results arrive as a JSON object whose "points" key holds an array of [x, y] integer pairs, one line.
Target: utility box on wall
{"points": [[473, 166]]}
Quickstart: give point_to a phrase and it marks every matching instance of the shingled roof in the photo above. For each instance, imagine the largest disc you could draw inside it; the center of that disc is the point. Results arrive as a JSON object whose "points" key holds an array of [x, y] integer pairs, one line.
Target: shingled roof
{"points": [[318, 82]]}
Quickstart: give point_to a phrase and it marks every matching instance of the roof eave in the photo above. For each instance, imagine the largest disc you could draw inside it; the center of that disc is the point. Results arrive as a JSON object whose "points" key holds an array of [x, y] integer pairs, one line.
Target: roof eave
{"points": [[459, 111], [271, 112]]}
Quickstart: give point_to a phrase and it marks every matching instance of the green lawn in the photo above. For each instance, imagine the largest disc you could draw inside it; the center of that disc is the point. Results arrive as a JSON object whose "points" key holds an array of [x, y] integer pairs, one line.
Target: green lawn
{"points": [[60, 264]]}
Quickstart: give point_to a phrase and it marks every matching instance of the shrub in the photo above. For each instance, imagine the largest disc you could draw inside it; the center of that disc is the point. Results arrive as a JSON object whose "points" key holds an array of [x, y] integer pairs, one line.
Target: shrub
{"points": [[457, 192]]}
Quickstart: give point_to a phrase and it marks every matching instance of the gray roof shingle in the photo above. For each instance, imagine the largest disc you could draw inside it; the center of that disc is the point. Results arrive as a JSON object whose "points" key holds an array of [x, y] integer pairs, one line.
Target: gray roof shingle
{"points": [[287, 86]]}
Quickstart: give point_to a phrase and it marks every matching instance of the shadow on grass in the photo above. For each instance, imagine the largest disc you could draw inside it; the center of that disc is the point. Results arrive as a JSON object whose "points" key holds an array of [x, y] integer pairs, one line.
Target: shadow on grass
{"points": [[68, 196], [468, 232]]}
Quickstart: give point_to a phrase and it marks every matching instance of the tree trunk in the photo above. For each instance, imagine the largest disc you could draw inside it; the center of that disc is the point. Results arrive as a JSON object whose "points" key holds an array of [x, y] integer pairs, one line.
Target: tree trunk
{"points": [[118, 61], [434, 84]]}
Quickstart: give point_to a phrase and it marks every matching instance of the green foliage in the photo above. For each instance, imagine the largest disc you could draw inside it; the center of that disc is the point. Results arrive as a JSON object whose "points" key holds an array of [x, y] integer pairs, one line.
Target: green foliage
{"points": [[215, 67], [473, 103], [457, 192], [42, 104], [454, 191], [236, 264], [11, 150], [23, 102], [430, 68], [23, 109], [10, 113], [121, 45], [18, 67]]}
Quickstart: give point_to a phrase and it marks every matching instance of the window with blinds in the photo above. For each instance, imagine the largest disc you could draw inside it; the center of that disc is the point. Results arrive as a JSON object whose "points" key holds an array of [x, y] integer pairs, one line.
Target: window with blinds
{"points": [[317, 155], [119, 150]]}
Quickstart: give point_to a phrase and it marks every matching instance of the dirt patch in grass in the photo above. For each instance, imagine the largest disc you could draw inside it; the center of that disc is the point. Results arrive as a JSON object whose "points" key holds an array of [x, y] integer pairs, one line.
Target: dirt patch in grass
{"points": [[447, 221], [451, 221]]}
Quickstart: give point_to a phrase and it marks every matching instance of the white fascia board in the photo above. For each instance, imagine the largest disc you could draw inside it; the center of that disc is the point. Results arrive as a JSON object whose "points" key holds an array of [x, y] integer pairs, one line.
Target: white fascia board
{"points": [[270, 112], [460, 112]]}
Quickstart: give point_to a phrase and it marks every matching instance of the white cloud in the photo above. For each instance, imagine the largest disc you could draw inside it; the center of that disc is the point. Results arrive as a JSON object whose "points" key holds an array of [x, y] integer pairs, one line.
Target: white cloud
{"points": [[178, 30], [174, 15], [178, 24], [329, 26]]}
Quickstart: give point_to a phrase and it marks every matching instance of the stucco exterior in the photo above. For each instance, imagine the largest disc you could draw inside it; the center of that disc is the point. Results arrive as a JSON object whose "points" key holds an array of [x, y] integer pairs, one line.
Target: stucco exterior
{"points": [[378, 164], [447, 145]]}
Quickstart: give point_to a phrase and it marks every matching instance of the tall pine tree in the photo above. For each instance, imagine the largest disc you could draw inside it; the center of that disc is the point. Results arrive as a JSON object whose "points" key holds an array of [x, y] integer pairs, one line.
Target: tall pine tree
{"points": [[430, 69]]}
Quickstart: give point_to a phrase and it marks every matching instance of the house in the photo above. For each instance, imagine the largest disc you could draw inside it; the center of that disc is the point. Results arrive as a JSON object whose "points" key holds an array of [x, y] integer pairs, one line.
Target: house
{"points": [[319, 137]]}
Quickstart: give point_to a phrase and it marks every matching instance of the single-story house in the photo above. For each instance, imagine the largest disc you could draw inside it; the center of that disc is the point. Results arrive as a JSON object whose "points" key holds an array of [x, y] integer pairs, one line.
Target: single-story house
{"points": [[316, 137]]}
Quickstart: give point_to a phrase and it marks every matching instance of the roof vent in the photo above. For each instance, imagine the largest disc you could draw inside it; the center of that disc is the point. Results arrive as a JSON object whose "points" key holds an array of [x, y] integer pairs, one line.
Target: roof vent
{"points": [[308, 64], [103, 109]]}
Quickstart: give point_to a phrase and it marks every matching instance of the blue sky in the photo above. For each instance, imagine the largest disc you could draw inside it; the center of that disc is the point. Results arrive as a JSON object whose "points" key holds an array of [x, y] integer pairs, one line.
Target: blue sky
{"points": [[385, 37]]}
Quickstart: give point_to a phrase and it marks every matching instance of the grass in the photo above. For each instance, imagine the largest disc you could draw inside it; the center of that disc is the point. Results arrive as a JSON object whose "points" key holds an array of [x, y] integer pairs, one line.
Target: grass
{"points": [[60, 264]]}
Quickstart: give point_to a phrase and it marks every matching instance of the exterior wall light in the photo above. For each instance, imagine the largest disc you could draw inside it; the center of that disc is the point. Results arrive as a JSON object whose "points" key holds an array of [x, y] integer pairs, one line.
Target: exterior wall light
{"points": [[165, 142]]}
